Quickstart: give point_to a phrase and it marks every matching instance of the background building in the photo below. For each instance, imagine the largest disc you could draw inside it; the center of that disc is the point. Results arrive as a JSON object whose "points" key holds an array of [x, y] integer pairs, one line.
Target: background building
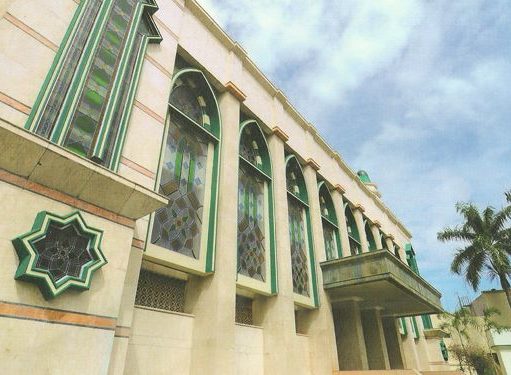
{"points": [[499, 343], [165, 209]]}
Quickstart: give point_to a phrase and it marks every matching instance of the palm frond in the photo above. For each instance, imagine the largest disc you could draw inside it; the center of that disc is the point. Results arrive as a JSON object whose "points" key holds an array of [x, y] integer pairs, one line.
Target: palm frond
{"points": [[462, 257], [474, 270], [470, 212], [457, 233]]}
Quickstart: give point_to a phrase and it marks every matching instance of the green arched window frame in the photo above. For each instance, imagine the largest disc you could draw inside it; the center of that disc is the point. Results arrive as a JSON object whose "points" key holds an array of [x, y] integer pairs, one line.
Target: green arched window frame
{"points": [[353, 235], [257, 263], [371, 241], [300, 232], [199, 119], [330, 224], [86, 99]]}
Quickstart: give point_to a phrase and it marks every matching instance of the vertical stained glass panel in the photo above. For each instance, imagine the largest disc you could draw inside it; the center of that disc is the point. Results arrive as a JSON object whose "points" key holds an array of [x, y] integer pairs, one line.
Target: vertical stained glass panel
{"points": [[330, 243], [70, 63], [298, 238], [177, 226], [251, 225], [250, 149], [99, 80]]}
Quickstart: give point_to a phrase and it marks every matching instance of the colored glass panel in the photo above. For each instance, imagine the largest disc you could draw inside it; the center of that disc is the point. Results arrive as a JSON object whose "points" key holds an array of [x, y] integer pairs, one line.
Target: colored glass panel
{"points": [[185, 98], [177, 226], [294, 180], [250, 148], [353, 236], [62, 252], [251, 225], [330, 242], [99, 80], [298, 238], [370, 238], [69, 64]]}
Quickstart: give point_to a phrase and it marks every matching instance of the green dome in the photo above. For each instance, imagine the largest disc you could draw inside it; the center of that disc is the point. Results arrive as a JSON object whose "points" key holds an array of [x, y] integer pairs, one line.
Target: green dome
{"points": [[364, 177]]}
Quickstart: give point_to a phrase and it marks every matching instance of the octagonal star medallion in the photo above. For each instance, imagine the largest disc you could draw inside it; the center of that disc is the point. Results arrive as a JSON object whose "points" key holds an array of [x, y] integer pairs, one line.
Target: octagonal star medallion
{"points": [[60, 252]]}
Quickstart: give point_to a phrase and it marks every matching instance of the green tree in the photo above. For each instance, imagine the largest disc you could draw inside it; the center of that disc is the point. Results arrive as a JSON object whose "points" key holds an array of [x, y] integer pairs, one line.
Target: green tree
{"points": [[486, 236], [458, 323]]}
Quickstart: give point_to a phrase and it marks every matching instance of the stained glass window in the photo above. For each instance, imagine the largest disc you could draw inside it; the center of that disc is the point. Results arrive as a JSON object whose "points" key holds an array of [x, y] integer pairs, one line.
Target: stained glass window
{"points": [[298, 227], [86, 102], [353, 236], [329, 221], [251, 225], [369, 235], [254, 203], [298, 237], [188, 168], [183, 176]]}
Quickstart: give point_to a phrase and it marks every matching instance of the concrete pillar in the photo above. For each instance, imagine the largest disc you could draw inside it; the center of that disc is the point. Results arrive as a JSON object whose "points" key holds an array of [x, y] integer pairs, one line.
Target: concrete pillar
{"points": [[410, 356], [351, 347], [377, 355], [320, 321], [341, 219], [376, 234], [125, 320], [359, 220], [212, 298], [393, 341], [276, 314]]}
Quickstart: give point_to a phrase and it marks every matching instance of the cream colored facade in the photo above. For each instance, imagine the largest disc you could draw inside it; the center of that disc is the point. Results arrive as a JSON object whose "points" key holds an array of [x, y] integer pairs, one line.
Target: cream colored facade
{"points": [[353, 325]]}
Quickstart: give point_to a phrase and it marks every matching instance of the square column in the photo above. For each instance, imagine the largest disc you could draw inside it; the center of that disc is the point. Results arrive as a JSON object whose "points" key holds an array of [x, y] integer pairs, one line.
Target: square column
{"points": [[393, 341], [377, 355], [351, 347], [212, 298], [341, 219], [276, 313], [359, 220], [320, 328]]}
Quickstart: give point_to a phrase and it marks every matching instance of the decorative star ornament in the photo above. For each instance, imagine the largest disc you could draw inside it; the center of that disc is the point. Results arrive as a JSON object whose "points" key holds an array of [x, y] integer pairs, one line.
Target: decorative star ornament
{"points": [[60, 252]]}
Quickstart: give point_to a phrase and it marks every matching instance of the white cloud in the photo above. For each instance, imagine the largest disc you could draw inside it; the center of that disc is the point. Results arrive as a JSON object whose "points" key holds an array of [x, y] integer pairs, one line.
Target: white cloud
{"points": [[341, 44], [416, 93]]}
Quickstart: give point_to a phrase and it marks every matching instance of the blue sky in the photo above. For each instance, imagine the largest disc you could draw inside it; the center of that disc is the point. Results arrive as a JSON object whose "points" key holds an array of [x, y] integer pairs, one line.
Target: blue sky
{"points": [[417, 93]]}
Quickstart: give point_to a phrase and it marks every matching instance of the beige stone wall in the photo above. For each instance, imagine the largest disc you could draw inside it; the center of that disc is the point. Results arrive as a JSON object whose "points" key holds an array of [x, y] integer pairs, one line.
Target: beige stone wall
{"points": [[249, 350], [160, 343]]}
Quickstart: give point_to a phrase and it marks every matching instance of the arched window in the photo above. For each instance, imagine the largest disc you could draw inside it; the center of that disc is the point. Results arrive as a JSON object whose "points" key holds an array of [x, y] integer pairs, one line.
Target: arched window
{"points": [[369, 235], [86, 99], [256, 233], [185, 228], [300, 232], [329, 221], [353, 235]]}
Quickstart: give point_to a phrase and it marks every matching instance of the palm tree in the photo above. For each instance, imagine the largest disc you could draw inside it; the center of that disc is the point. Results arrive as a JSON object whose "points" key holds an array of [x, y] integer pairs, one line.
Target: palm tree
{"points": [[487, 239]]}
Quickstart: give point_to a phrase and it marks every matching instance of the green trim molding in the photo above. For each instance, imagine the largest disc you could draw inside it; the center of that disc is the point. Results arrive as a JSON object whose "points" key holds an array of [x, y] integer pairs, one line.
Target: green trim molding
{"points": [[58, 253]]}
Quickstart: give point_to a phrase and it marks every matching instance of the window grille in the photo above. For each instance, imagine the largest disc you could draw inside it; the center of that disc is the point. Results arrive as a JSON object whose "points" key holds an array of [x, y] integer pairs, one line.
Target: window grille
{"points": [[244, 310], [160, 292]]}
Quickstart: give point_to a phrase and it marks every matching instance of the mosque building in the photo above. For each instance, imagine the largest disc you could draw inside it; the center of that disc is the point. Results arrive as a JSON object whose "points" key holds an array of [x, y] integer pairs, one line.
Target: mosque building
{"points": [[166, 210]]}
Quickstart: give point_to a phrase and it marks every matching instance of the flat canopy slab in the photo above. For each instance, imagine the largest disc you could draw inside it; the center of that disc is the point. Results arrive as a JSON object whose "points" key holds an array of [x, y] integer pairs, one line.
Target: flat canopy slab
{"points": [[379, 280]]}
